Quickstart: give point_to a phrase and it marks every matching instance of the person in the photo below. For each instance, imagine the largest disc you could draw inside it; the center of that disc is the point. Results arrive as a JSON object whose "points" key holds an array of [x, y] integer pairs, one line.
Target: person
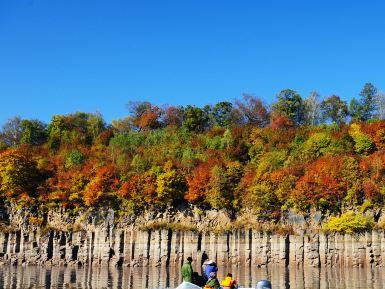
{"points": [[187, 271], [213, 282], [229, 282], [208, 267], [198, 280], [264, 284]]}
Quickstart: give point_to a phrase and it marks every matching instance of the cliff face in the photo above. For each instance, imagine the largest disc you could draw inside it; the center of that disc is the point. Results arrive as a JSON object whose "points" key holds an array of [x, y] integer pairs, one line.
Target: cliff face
{"points": [[101, 239]]}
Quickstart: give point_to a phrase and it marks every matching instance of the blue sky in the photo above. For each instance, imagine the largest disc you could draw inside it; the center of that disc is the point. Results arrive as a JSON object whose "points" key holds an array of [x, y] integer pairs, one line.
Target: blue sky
{"points": [[62, 56]]}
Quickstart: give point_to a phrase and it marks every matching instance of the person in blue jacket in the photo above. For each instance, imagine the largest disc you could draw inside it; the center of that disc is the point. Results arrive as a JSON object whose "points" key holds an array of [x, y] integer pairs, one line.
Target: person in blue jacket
{"points": [[209, 267]]}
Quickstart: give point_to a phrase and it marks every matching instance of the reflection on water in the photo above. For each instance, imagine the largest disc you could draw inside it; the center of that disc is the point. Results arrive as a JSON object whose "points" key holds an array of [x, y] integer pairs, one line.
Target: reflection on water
{"points": [[141, 278]]}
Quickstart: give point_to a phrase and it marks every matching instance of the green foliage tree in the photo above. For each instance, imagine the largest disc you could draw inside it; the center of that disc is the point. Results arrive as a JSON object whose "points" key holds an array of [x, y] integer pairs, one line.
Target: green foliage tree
{"points": [[368, 103], [74, 158], [34, 132], [290, 104], [334, 109], [72, 129], [223, 114], [316, 145], [195, 119], [366, 107]]}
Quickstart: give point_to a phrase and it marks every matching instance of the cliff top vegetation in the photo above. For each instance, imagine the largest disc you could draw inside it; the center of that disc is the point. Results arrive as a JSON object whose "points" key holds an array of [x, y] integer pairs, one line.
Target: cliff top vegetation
{"points": [[300, 154]]}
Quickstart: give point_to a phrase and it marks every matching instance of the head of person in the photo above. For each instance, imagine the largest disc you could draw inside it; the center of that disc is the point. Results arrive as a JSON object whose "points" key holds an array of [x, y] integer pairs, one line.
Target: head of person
{"points": [[189, 259], [230, 275], [264, 284]]}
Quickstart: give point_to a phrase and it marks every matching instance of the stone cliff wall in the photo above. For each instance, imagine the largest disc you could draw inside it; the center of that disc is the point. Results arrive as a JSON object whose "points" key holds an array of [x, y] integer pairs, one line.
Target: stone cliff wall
{"points": [[131, 247], [109, 242]]}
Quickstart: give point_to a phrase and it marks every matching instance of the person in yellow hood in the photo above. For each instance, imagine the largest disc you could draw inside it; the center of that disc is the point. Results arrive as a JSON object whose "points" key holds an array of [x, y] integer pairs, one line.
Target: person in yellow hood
{"points": [[229, 282]]}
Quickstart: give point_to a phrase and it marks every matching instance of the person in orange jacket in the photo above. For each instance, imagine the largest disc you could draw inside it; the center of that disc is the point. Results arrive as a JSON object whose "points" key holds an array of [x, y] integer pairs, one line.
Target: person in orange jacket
{"points": [[229, 282]]}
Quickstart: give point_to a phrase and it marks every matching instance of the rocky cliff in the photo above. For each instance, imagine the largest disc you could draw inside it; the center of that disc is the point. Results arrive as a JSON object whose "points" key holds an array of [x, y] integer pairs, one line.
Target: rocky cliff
{"points": [[103, 238]]}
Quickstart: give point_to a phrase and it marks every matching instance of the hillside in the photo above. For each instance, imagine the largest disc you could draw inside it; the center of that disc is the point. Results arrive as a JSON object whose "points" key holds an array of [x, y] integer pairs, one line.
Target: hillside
{"points": [[296, 155]]}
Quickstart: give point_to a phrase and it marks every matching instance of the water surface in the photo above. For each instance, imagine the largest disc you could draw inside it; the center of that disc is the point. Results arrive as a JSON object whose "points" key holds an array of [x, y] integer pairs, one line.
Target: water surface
{"points": [[151, 278]]}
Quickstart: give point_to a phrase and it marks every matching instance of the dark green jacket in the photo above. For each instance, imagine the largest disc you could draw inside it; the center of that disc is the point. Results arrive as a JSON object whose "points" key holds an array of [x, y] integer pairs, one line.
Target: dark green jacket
{"points": [[187, 272], [213, 283]]}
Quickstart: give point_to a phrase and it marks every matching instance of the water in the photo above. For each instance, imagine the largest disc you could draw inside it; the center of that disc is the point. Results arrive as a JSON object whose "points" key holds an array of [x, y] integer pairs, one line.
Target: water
{"points": [[143, 278]]}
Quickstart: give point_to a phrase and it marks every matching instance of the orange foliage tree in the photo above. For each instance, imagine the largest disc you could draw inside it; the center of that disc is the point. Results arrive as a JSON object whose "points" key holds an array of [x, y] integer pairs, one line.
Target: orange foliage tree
{"points": [[102, 186], [197, 182]]}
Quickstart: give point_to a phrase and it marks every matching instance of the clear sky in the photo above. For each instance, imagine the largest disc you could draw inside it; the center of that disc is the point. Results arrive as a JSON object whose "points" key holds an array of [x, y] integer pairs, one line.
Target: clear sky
{"points": [[61, 56]]}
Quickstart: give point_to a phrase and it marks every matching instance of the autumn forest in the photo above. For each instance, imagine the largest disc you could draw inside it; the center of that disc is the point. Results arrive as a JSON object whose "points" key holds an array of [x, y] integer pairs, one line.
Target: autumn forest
{"points": [[299, 153]]}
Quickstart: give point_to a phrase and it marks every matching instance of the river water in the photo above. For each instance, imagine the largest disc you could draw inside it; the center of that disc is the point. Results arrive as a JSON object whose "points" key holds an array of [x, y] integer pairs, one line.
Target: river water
{"points": [[143, 278]]}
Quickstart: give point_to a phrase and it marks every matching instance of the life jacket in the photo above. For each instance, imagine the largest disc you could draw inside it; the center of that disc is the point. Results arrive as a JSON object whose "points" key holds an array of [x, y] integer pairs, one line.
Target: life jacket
{"points": [[228, 283]]}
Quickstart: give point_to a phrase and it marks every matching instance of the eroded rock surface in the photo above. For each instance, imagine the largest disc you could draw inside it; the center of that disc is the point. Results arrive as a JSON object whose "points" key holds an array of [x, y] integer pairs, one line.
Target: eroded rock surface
{"points": [[103, 238]]}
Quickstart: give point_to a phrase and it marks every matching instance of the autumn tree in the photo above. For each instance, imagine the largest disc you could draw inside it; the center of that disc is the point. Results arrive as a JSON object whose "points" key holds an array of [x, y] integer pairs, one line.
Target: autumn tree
{"points": [[222, 184], [138, 192], [334, 109], [363, 144], [325, 183], [197, 182], [72, 129], [101, 186], [19, 176], [173, 116], [144, 115], [171, 185], [123, 125], [252, 110]]}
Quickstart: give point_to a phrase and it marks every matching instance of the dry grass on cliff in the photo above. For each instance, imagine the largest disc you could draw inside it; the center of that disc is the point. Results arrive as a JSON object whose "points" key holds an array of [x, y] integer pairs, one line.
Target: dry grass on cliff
{"points": [[164, 225], [4, 228], [242, 224], [268, 228]]}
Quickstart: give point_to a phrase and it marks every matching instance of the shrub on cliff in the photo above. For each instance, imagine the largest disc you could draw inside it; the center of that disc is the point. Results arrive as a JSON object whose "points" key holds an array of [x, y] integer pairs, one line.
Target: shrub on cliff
{"points": [[349, 222]]}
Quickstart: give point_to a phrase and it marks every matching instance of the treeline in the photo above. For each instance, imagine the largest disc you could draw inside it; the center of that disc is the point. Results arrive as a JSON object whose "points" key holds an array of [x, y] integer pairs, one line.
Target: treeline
{"points": [[300, 154]]}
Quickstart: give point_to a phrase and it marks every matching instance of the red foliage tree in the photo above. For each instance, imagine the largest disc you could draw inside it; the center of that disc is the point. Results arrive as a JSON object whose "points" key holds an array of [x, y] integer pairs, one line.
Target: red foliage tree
{"points": [[197, 181], [280, 121], [323, 183]]}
